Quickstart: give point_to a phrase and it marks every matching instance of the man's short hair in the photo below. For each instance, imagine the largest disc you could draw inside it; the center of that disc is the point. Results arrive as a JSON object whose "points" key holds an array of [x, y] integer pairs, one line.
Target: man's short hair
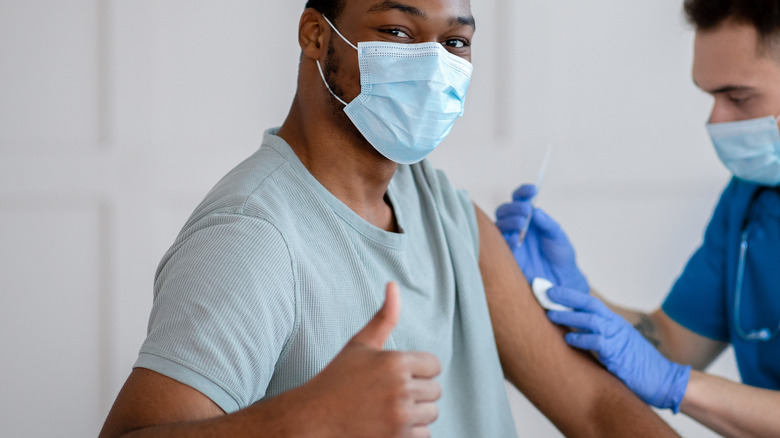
{"points": [[763, 15], [329, 8]]}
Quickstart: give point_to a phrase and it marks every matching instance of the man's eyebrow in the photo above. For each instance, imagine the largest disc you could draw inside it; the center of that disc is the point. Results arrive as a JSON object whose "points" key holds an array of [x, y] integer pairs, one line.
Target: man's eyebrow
{"points": [[463, 21], [388, 5]]}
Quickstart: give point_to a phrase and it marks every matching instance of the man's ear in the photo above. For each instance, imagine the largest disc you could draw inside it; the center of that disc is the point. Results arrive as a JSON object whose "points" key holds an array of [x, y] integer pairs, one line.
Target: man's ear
{"points": [[311, 33]]}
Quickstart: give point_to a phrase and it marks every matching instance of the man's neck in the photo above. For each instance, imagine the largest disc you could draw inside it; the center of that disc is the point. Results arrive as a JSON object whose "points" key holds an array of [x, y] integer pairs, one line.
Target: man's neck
{"points": [[347, 166]]}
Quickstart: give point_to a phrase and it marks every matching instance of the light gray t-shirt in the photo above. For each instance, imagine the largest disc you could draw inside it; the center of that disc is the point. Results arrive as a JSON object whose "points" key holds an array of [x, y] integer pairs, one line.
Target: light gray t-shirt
{"points": [[272, 275]]}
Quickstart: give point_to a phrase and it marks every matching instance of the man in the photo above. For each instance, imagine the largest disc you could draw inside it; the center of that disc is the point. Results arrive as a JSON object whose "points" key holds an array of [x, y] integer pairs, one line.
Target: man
{"points": [[265, 318], [730, 290]]}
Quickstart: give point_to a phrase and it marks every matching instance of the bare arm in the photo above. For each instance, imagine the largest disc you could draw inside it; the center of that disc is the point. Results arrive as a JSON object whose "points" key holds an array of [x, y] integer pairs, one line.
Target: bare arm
{"points": [[732, 409], [364, 391], [575, 393], [152, 405]]}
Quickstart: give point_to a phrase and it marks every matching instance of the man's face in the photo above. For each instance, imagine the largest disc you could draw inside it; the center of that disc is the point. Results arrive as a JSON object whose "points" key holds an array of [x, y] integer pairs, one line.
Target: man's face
{"points": [[448, 22], [742, 74]]}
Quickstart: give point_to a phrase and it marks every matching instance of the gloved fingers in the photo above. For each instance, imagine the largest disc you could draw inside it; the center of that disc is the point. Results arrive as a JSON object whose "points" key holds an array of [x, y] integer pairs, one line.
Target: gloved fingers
{"points": [[585, 341], [571, 277], [513, 209], [584, 321], [512, 238], [524, 193], [577, 300], [535, 263], [511, 217], [510, 225]]}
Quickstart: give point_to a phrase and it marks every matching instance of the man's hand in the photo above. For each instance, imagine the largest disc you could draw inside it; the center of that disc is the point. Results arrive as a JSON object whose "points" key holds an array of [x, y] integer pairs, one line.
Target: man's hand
{"points": [[374, 393], [622, 349], [546, 251]]}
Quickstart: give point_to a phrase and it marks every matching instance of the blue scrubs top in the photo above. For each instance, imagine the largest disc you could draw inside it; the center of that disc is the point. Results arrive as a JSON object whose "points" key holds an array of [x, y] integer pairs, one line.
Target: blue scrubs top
{"points": [[702, 299]]}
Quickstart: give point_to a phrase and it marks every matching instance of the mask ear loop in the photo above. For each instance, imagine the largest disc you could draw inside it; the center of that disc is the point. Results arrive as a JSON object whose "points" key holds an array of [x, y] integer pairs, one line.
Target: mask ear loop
{"points": [[319, 67], [342, 36]]}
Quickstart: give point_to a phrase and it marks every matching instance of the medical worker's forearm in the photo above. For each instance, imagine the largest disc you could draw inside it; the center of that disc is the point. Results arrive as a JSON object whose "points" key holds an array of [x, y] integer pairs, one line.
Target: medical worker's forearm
{"points": [[732, 409]]}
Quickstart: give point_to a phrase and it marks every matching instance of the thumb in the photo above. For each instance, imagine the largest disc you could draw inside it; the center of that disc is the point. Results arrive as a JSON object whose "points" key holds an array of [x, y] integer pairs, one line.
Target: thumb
{"points": [[376, 332]]}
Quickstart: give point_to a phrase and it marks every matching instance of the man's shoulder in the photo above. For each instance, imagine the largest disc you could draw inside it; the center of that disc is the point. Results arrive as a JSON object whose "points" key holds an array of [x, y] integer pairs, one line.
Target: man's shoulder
{"points": [[453, 206], [261, 186], [245, 212], [425, 176]]}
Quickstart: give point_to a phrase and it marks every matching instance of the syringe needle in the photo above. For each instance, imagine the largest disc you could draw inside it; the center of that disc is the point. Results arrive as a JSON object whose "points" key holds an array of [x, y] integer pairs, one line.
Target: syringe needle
{"points": [[539, 180]]}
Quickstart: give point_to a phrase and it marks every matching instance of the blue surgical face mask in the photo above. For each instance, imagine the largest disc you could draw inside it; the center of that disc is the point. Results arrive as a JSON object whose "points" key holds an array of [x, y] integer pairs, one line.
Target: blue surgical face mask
{"points": [[750, 149], [410, 96]]}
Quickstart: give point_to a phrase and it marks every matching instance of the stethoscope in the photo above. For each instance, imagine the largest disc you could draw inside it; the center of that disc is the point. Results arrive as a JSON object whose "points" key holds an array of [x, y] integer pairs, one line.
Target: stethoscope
{"points": [[763, 334]]}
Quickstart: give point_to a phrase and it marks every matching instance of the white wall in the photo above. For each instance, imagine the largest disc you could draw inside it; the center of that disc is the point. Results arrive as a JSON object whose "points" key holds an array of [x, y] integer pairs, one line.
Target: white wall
{"points": [[117, 116]]}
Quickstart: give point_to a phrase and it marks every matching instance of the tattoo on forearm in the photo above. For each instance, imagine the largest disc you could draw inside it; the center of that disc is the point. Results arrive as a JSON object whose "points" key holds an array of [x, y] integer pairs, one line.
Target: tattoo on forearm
{"points": [[646, 328]]}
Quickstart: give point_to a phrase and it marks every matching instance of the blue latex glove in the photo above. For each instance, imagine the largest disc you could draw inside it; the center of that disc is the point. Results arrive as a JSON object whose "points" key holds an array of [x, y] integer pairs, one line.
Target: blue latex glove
{"points": [[622, 349], [546, 251]]}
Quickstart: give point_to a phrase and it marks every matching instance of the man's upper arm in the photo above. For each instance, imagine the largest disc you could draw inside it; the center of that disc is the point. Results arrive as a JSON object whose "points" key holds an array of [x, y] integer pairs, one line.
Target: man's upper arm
{"points": [[579, 396], [224, 310], [150, 399]]}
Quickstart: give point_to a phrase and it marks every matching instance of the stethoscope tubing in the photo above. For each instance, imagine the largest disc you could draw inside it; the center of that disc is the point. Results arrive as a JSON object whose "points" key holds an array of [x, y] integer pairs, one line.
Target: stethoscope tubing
{"points": [[763, 334]]}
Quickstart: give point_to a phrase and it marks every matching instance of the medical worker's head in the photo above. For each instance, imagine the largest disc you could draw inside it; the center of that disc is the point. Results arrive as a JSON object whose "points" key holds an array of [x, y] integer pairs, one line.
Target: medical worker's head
{"points": [[737, 56], [737, 61]]}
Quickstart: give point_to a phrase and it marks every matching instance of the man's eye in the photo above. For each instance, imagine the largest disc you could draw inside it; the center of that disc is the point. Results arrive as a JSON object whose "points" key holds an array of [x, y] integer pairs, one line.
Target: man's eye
{"points": [[396, 33], [456, 43]]}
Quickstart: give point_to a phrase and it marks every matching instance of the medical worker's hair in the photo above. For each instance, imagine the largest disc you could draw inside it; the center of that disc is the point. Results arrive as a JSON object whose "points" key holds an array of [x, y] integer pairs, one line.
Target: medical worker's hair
{"points": [[329, 8], [764, 15]]}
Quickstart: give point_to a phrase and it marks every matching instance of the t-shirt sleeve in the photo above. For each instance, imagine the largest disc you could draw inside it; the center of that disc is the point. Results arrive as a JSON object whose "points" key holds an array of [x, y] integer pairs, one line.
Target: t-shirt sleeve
{"points": [[697, 300], [459, 208], [224, 308]]}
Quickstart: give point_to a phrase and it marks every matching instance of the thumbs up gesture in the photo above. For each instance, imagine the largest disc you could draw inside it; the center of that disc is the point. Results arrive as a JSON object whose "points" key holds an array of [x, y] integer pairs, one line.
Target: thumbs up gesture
{"points": [[368, 392]]}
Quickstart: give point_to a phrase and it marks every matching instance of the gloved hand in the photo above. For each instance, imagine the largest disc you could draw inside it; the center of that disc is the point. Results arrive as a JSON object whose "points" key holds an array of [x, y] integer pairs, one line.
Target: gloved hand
{"points": [[546, 251], [623, 350]]}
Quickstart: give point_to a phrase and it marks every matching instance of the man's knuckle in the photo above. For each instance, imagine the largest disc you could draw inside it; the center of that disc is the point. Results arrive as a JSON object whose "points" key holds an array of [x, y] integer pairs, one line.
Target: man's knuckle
{"points": [[392, 362], [400, 415], [437, 390], [434, 414], [422, 432], [399, 391], [435, 364]]}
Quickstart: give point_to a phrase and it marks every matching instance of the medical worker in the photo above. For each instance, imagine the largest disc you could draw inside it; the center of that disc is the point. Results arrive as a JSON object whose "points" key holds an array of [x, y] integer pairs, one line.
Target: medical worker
{"points": [[729, 292], [335, 285]]}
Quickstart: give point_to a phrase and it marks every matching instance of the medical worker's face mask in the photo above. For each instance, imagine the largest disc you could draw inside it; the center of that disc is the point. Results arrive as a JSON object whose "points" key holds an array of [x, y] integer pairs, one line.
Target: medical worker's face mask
{"points": [[410, 96], [750, 149]]}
